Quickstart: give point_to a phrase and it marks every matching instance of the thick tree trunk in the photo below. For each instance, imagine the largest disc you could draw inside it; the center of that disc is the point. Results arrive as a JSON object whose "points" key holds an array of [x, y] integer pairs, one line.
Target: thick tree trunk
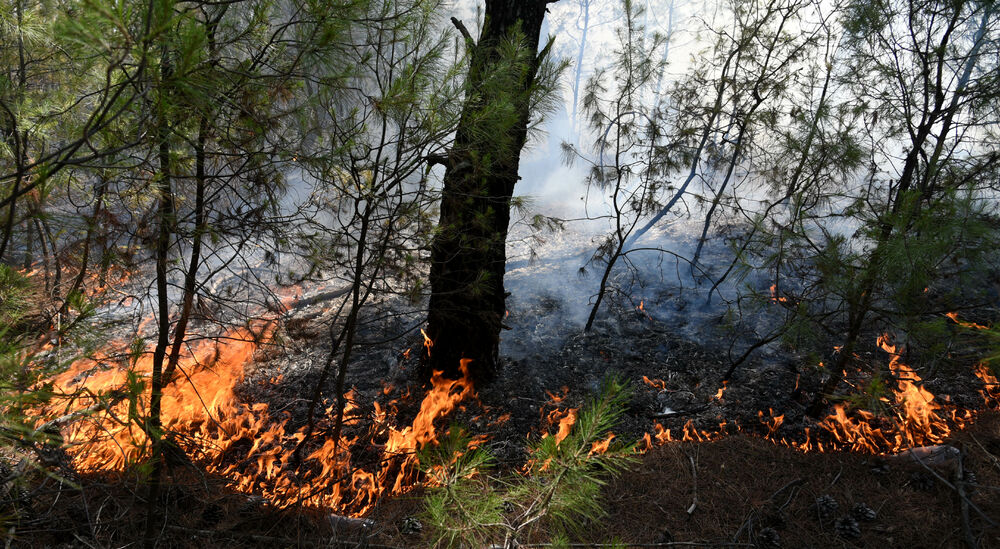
{"points": [[468, 255]]}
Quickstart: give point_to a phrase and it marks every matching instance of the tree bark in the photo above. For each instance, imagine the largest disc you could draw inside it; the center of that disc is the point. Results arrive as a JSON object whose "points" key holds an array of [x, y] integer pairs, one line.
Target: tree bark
{"points": [[468, 255]]}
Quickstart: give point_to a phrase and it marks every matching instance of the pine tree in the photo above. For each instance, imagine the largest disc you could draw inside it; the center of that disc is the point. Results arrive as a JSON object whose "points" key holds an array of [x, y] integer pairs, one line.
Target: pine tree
{"points": [[507, 82]]}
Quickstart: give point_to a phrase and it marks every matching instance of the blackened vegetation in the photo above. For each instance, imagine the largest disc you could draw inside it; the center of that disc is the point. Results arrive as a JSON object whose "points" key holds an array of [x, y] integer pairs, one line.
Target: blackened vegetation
{"points": [[468, 255]]}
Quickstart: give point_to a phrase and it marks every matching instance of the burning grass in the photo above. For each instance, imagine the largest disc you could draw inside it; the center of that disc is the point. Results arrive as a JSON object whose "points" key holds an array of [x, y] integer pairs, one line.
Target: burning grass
{"points": [[245, 443]]}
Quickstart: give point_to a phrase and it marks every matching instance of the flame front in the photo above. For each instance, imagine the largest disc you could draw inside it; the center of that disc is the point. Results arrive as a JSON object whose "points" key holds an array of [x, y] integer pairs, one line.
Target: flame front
{"points": [[916, 418], [253, 448], [245, 444]]}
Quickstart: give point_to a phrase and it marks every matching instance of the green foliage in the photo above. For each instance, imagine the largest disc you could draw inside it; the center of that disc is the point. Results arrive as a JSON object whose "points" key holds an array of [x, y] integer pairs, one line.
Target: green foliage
{"points": [[869, 395], [464, 507], [15, 296], [557, 494]]}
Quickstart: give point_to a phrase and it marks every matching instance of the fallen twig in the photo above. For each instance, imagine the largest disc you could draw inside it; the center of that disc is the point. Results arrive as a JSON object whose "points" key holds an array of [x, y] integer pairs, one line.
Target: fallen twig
{"points": [[993, 458], [973, 506], [694, 487], [963, 503], [674, 413]]}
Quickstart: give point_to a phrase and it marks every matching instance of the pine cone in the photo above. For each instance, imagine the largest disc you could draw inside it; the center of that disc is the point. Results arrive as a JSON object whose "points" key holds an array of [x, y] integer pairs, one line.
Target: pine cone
{"points": [[880, 468], [826, 505], [921, 481], [847, 528], [768, 538], [860, 511], [970, 482], [211, 516], [411, 525], [251, 506]]}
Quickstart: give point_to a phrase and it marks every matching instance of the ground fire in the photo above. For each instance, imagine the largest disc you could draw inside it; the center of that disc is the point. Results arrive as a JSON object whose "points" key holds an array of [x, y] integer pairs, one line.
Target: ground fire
{"points": [[250, 446]]}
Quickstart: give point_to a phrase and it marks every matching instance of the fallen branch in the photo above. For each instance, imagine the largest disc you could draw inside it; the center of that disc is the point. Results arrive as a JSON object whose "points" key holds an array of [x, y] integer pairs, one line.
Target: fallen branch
{"points": [[663, 544], [68, 418], [285, 542], [322, 296]]}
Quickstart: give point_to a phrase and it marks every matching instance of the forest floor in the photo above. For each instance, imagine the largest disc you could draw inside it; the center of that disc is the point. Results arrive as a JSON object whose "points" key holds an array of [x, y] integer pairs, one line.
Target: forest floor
{"points": [[739, 486], [685, 494], [732, 488]]}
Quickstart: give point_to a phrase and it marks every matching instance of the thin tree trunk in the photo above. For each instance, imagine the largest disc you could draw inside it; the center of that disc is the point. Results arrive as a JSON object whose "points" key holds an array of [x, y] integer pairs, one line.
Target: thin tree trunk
{"points": [[20, 137], [29, 245], [45, 253], [200, 225], [102, 186], [191, 276], [165, 215], [706, 132], [56, 262], [579, 62]]}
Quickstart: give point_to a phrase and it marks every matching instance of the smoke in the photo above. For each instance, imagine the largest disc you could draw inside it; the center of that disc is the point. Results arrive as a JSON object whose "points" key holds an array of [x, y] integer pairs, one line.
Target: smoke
{"points": [[555, 272]]}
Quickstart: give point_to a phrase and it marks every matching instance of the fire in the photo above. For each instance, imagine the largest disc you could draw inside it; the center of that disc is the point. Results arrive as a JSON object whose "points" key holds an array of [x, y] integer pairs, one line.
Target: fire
{"points": [[775, 298], [916, 418], [556, 399], [658, 384], [244, 443], [601, 446], [688, 433], [251, 446], [991, 387], [444, 396], [565, 419], [772, 422], [642, 309], [973, 325], [428, 342]]}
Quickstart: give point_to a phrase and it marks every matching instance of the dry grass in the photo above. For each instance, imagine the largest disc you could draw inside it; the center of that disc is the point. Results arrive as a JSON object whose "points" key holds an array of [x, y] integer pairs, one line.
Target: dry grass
{"points": [[745, 484], [739, 482]]}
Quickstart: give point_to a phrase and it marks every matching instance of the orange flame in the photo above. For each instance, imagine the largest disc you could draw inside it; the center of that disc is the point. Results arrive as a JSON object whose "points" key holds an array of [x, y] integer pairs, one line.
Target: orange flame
{"points": [[601, 446], [243, 443], [558, 398], [772, 422], [655, 383], [718, 394], [565, 419], [428, 342], [991, 387], [775, 298], [917, 419], [954, 318]]}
